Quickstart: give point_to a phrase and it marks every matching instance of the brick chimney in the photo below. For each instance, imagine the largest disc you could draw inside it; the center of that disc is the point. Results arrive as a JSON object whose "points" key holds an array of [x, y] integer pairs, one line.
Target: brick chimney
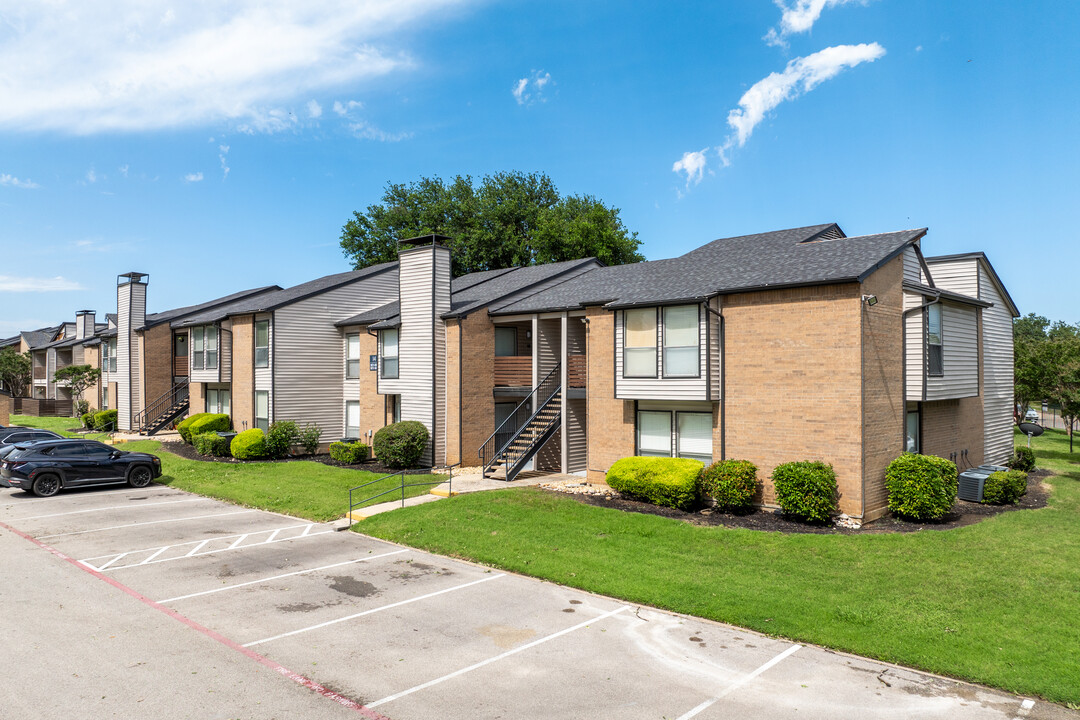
{"points": [[130, 316]]}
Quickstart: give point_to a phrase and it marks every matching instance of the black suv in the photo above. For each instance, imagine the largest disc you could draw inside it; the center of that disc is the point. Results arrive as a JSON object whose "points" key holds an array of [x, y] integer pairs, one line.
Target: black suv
{"points": [[12, 435], [46, 466]]}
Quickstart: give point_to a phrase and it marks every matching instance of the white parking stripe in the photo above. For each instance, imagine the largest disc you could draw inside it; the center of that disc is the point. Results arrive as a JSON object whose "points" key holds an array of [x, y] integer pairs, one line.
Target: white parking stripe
{"points": [[148, 522], [111, 507], [374, 610], [711, 701], [278, 577], [98, 492], [506, 654]]}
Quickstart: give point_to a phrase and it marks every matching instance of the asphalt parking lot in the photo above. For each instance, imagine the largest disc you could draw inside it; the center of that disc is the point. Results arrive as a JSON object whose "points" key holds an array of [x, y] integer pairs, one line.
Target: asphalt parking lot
{"points": [[159, 603]]}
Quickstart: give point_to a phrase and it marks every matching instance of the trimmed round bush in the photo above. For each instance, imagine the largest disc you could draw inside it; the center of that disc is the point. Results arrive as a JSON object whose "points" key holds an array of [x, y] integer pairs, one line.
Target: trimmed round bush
{"points": [[1005, 488], [731, 483], [806, 489], [106, 419], [401, 444], [210, 422], [280, 437], [670, 482], [184, 426], [211, 444], [349, 453], [921, 487], [1022, 459], [249, 445]]}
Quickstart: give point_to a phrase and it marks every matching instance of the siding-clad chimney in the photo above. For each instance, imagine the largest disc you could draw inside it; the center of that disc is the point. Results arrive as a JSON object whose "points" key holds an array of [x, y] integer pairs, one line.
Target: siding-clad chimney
{"points": [[85, 322], [130, 315], [424, 288]]}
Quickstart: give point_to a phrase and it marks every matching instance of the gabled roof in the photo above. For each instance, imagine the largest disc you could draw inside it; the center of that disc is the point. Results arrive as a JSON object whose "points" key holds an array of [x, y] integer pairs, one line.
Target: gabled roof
{"points": [[37, 338], [279, 298], [796, 257], [383, 312], [172, 316], [993, 274]]}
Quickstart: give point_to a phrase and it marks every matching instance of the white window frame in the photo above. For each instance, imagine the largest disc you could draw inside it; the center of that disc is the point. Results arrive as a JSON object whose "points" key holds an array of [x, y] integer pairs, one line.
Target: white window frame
{"points": [[352, 405], [396, 357], [696, 344], [637, 433], [218, 407], [352, 363], [678, 436], [262, 360], [912, 443], [262, 421], [931, 311], [627, 349]]}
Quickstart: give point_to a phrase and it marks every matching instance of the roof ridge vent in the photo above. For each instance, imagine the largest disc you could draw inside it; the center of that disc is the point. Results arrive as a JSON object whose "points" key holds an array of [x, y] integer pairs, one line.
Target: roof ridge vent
{"points": [[832, 232]]}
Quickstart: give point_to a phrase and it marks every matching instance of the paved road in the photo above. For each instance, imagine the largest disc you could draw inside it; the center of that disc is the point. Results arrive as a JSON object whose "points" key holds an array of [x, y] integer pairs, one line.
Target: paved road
{"points": [[161, 604]]}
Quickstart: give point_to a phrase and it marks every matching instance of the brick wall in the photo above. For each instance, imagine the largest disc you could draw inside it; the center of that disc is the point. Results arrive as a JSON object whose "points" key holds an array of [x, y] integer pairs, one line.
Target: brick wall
{"points": [[196, 398], [453, 392], [883, 383], [477, 382], [92, 357], [951, 426], [372, 404], [155, 364], [610, 422], [793, 382], [6, 408], [243, 372]]}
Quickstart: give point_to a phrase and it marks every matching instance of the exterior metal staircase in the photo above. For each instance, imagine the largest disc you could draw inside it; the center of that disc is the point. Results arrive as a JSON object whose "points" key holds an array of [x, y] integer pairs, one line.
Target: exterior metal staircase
{"points": [[158, 414], [524, 432]]}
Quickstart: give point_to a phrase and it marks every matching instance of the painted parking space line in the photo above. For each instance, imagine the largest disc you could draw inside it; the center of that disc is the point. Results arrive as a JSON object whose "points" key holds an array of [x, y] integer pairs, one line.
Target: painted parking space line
{"points": [[279, 577], [375, 610], [96, 492], [148, 522], [151, 556], [111, 507], [490, 660], [738, 684]]}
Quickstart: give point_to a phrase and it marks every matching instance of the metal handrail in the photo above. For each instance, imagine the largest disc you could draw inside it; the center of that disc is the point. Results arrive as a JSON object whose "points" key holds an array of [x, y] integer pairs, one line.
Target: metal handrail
{"points": [[508, 435], [449, 483], [143, 417]]}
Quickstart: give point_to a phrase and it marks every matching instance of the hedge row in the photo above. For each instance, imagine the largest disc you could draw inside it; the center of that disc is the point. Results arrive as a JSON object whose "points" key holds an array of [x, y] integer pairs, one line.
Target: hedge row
{"points": [[350, 453]]}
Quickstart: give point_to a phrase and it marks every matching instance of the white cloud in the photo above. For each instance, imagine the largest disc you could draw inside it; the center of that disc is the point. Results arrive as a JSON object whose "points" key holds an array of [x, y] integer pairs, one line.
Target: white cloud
{"points": [[528, 90], [91, 176], [693, 164], [800, 76], [153, 64], [193, 177], [799, 17], [223, 151], [366, 131], [22, 283], [12, 181], [314, 110], [123, 170], [344, 109]]}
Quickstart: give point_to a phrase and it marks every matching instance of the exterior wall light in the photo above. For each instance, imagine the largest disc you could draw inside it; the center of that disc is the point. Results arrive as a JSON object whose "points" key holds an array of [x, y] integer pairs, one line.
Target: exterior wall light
{"points": [[870, 300]]}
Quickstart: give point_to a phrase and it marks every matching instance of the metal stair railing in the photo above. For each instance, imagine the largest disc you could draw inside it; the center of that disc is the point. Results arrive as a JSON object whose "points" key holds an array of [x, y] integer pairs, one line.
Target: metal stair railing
{"points": [[177, 395], [541, 427], [512, 427]]}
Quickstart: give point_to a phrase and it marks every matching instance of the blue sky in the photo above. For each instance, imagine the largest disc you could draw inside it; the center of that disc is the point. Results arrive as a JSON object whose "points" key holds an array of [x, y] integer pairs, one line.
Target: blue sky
{"points": [[222, 145]]}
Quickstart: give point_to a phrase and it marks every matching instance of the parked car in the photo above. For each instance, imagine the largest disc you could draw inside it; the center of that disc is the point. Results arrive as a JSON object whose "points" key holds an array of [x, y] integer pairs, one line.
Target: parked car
{"points": [[1031, 416], [47, 466], [10, 436]]}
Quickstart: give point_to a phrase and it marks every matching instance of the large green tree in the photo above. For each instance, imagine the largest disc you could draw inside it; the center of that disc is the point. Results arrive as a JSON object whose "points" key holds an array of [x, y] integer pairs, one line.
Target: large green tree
{"points": [[79, 378], [509, 219], [1047, 365], [15, 371]]}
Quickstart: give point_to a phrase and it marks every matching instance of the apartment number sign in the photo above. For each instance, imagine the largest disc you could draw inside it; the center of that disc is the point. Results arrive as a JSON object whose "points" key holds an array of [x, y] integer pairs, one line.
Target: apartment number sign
{"points": [[373, 363]]}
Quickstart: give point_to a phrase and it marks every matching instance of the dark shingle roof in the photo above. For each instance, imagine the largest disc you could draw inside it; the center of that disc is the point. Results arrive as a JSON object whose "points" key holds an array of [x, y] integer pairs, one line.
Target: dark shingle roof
{"points": [[383, 312], [813, 255], [183, 312], [273, 300], [38, 338], [927, 291]]}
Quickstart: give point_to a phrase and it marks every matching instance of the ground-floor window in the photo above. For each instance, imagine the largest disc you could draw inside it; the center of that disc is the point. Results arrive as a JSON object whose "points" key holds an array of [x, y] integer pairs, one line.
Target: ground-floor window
{"points": [[217, 401], [395, 408], [914, 421], [105, 398], [262, 409], [666, 433], [352, 419]]}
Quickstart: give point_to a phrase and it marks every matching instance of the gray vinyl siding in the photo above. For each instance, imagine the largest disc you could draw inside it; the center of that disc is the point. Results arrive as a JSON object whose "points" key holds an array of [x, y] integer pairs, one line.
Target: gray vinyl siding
{"points": [[661, 388], [577, 455], [264, 377], [548, 340], [442, 306], [50, 374], [714, 350], [959, 276], [960, 348], [122, 402], [225, 351], [912, 267], [998, 373], [914, 359], [306, 354]]}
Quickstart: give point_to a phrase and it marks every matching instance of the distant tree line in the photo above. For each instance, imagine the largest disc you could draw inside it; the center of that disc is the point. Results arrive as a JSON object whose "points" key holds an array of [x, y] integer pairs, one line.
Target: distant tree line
{"points": [[1047, 366]]}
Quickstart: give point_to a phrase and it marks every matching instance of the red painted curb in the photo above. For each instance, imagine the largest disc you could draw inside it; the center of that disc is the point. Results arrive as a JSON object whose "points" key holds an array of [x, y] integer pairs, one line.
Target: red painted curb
{"points": [[267, 662]]}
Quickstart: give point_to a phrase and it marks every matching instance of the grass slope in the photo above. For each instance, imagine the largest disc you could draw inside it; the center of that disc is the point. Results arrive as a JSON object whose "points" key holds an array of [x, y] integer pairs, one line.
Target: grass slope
{"points": [[59, 425], [995, 602]]}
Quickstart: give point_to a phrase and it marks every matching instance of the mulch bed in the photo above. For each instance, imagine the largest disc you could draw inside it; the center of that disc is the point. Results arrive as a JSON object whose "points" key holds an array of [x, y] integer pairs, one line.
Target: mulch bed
{"points": [[188, 452], [963, 513]]}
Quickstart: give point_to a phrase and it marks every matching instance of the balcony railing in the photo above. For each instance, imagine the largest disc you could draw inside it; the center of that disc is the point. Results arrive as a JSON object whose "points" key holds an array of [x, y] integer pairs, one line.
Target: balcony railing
{"points": [[513, 371], [180, 366], [576, 371]]}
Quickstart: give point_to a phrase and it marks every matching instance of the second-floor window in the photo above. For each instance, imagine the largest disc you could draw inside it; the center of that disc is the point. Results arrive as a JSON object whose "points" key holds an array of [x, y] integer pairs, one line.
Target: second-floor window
{"points": [[639, 343], [108, 355], [204, 348], [935, 360], [389, 359], [262, 343], [681, 344], [352, 355]]}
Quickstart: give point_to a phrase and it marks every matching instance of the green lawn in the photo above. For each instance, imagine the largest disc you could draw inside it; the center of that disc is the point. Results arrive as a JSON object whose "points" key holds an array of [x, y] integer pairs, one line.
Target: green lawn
{"points": [[308, 490], [996, 602], [59, 425]]}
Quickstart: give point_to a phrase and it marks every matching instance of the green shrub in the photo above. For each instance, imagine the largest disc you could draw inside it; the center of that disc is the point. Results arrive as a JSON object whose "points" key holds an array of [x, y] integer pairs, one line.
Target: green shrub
{"points": [[211, 444], [921, 487], [282, 435], [209, 422], [1005, 488], [1023, 459], [249, 445], [401, 444], [350, 453], [106, 420], [670, 482], [806, 489], [88, 419], [732, 483], [309, 438], [183, 427], [81, 407]]}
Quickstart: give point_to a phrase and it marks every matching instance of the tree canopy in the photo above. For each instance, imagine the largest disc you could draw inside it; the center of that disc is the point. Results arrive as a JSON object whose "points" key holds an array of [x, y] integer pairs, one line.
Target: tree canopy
{"points": [[510, 219], [1047, 361], [15, 371]]}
